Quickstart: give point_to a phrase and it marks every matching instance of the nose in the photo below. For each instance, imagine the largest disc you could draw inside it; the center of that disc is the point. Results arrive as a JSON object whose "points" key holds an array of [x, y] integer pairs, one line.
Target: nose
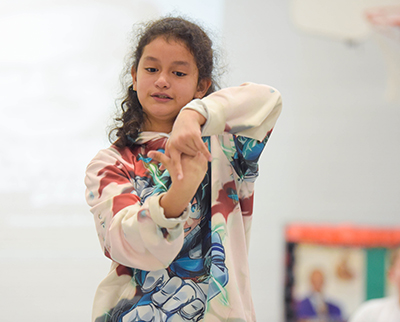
{"points": [[162, 81]]}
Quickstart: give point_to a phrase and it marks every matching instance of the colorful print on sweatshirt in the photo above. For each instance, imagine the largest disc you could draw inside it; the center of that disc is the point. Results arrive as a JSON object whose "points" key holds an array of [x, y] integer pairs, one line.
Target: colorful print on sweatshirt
{"points": [[194, 267]]}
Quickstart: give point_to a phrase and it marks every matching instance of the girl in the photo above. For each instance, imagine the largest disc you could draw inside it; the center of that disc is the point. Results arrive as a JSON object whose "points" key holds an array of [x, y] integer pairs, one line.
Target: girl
{"points": [[172, 197]]}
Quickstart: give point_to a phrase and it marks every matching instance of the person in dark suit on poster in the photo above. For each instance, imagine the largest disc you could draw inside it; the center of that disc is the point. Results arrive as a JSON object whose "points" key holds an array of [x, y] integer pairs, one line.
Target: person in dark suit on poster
{"points": [[315, 307]]}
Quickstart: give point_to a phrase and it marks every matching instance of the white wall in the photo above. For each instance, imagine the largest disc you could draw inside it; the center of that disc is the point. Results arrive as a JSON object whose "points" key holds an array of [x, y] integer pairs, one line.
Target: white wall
{"points": [[334, 155], [332, 158]]}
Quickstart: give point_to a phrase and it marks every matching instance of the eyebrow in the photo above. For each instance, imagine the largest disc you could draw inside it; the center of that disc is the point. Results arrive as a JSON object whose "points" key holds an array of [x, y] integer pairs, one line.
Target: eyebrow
{"points": [[177, 62]]}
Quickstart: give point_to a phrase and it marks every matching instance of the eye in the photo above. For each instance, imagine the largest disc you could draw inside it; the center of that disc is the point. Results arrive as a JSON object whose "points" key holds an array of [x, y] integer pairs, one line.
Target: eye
{"points": [[179, 74], [151, 69]]}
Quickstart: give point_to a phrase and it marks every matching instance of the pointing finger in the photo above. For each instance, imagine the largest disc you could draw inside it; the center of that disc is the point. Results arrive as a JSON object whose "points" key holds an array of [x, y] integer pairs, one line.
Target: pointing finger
{"points": [[176, 163]]}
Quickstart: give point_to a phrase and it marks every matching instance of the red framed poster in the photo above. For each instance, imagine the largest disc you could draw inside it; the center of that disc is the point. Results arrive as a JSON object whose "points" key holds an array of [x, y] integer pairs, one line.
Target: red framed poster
{"points": [[331, 270]]}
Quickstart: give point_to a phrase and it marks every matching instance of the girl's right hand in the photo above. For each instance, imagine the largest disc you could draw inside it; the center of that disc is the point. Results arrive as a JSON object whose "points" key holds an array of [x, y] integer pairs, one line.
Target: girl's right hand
{"points": [[186, 139], [181, 191]]}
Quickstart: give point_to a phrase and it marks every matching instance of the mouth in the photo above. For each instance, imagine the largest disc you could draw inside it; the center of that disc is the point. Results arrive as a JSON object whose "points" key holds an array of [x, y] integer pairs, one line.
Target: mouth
{"points": [[161, 96]]}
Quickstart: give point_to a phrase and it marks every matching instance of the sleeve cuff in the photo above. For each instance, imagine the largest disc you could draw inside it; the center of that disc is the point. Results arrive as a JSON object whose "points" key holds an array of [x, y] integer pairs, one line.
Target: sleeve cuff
{"points": [[198, 106], [213, 113]]}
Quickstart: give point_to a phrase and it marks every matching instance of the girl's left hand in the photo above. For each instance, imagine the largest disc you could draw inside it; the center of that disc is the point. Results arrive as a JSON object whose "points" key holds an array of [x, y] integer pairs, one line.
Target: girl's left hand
{"points": [[186, 139], [181, 192]]}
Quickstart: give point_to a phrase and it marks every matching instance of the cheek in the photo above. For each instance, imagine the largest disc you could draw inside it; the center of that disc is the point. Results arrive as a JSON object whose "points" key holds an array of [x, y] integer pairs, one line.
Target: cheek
{"points": [[142, 91], [140, 98], [188, 92]]}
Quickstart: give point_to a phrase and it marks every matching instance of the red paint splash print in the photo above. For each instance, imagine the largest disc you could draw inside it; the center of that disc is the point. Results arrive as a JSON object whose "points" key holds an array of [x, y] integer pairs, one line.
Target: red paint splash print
{"points": [[246, 204], [227, 200], [112, 173]]}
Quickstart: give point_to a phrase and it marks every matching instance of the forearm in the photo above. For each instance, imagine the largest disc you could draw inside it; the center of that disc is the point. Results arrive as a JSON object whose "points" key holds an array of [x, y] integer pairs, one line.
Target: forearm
{"points": [[139, 235], [250, 110], [130, 233], [176, 200], [192, 117]]}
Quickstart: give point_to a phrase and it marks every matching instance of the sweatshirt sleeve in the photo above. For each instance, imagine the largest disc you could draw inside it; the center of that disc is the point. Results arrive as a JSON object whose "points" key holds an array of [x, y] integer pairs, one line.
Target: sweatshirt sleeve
{"points": [[249, 110], [131, 232]]}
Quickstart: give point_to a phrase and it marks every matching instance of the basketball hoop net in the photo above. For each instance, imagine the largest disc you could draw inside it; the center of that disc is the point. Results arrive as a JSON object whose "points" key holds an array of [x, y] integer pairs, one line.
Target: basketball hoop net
{"points": [[385, 23]]}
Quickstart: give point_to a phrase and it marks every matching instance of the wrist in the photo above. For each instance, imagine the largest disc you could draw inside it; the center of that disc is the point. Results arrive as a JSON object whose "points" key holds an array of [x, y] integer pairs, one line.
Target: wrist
{"points": [[192, 114], [173, 204]]}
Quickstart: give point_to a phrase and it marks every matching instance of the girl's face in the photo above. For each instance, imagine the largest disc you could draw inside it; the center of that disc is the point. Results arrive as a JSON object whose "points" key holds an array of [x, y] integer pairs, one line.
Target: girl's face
{"points": [[194, 217], [166, 79]]}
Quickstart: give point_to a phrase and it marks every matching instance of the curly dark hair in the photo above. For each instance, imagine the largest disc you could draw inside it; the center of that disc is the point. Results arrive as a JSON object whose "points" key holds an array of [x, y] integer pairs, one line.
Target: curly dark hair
{"points": [[131, 117]]}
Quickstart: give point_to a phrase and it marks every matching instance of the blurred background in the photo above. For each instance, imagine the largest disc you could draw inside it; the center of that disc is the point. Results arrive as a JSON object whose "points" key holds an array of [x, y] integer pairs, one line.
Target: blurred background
{"points": [[333, 157]]}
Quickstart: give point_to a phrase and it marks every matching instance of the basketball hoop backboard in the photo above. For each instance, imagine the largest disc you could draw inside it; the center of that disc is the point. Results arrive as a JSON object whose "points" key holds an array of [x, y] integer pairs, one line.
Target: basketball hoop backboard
{"points": [[385, 24], [343, 20]]}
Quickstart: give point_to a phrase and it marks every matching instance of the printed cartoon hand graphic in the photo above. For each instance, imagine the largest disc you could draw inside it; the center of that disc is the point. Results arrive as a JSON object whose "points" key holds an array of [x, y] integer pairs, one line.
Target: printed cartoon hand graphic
{"points": [[145, 313], [182, 298], [177, 300]]}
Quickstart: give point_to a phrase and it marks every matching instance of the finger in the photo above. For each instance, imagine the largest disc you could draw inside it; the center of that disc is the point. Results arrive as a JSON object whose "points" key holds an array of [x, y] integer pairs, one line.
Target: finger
{"points": [[184, 295], [167, 291], [145, 313], [155, 278], [159, 157], [190, 149], [206, 152], [167, 148], [203, 148], [186, 147], [192, 309], [176, 163]]}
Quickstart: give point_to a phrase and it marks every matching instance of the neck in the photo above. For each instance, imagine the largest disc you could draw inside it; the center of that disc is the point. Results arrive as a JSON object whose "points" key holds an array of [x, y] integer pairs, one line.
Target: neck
{"points": [[159, 127]]}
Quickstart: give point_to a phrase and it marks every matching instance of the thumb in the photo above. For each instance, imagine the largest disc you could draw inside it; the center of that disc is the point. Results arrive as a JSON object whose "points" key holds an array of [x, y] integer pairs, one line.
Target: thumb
{"points": [[155, 278]]}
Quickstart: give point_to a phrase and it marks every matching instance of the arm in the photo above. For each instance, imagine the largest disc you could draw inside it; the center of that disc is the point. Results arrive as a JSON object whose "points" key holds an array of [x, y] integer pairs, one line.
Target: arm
{"points": [[249, 110], [182, 191], [132, 234]]}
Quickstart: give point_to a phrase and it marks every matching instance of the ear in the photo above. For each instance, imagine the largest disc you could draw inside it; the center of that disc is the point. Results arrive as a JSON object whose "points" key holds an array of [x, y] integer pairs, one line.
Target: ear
{"points": [[202, 87], [133, 73]]}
